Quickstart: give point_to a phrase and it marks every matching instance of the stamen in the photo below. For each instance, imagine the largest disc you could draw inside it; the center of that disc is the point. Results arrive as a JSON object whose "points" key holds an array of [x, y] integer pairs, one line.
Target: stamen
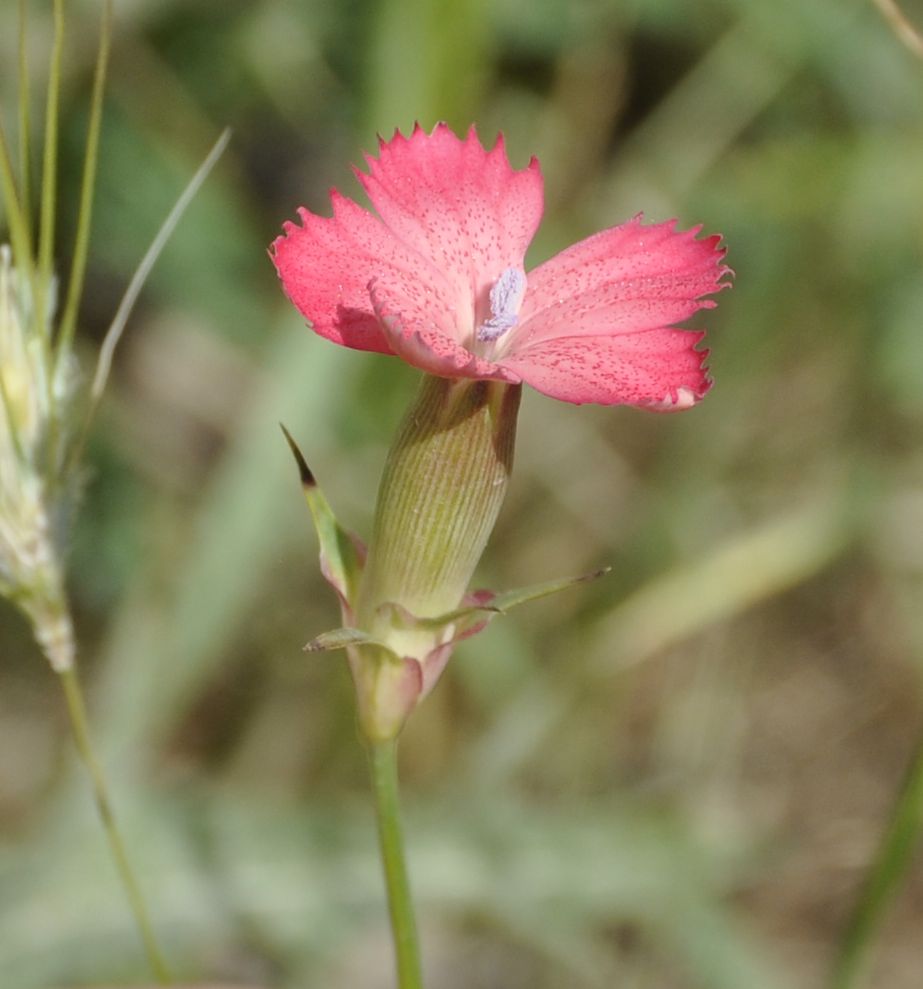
{"points": [[505, 299]]}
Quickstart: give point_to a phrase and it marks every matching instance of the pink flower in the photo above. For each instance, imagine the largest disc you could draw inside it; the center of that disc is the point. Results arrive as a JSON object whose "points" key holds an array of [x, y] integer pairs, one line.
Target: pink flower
{"points": [[438, 279]]}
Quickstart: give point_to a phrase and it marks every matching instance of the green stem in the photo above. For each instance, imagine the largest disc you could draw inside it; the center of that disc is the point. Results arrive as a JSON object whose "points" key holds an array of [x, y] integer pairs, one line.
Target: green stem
{"points": [[87, 184], [49, 175], [25, 127], [77, 711], [383, 763], [895, 854]]}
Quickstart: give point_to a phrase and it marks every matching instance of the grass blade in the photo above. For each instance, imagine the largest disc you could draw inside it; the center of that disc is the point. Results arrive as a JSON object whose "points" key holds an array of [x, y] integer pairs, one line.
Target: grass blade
{"points": [[892, 863], [117, 327]]}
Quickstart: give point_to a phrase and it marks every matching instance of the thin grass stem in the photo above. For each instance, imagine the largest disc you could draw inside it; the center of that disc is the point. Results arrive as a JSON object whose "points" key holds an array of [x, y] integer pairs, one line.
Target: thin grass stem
{"points": [[15, 217], [77, 710], [901, 26], [25, 124], [892, 862], [49, 172], [87, 186]]}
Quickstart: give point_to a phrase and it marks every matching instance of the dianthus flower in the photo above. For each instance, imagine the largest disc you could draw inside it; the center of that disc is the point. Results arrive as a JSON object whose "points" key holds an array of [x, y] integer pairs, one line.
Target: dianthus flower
{"points": [[438, 279]]}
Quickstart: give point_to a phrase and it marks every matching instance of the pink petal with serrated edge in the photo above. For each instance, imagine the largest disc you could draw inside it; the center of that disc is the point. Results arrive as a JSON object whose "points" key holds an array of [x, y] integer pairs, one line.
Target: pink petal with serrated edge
{"points": [[596, 321], [326, 265], [657, 369], [465, 209], [626, 279]]}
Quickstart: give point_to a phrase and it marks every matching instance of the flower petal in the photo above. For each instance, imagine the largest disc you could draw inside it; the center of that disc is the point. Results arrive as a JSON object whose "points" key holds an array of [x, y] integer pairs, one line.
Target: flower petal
{"points": [[622, 280], [413, 335], [326, 265], [463, 208], [656, 369]]}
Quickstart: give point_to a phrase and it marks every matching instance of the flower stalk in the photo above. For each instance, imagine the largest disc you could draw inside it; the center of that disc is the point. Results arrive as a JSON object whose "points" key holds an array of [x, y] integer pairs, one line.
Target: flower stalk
{"points": [[383, 768], [438, 280], [440, 493]]}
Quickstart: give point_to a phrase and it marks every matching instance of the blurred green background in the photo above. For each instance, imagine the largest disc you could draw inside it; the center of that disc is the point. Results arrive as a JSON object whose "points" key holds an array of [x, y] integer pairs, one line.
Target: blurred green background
{"points": [[673, 778]]}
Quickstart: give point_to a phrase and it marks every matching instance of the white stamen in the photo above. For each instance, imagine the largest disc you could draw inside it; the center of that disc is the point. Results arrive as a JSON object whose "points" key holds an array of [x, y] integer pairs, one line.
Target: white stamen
{"points": [[505, 299]]}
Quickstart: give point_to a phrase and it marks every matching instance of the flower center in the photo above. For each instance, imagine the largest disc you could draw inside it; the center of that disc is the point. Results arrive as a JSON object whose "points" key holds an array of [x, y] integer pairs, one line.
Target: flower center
{"points": [[505, 299]]}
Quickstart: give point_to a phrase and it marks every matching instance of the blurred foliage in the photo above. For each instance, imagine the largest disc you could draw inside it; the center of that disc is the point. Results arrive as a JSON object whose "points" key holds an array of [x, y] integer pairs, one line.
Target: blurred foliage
{"points": [[672, 778]]}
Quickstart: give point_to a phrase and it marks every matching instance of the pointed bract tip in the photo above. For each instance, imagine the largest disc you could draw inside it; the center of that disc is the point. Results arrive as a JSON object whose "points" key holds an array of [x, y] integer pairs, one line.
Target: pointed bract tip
{"points": [[307, 478]]}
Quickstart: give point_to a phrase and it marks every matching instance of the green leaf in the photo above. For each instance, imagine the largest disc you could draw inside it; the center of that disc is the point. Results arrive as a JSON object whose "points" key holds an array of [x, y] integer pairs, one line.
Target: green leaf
{"points": [[486, 604], [340, 638], [512, 599], [341, 553]]}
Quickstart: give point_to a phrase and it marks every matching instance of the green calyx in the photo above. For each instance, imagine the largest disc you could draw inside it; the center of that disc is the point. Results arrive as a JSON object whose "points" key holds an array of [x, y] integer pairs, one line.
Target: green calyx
{"points": [[441, 491], [405, 603]]}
